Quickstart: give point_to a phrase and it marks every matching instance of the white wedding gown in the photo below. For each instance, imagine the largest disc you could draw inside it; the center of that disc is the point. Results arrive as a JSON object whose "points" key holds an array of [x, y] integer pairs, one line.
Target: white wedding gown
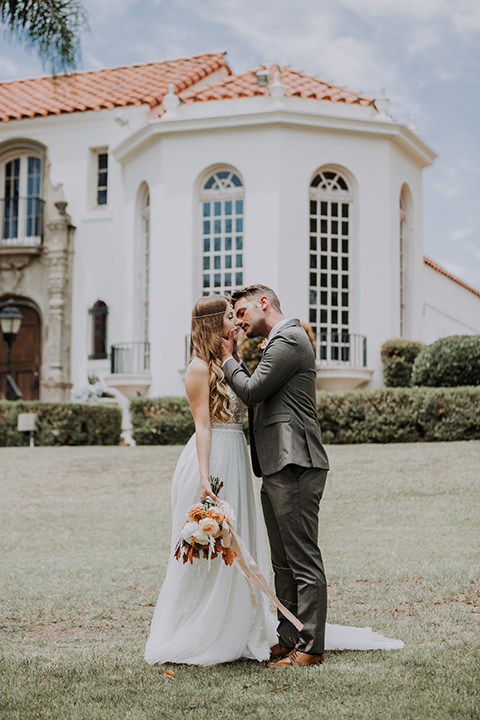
{"points": [[204, 616]]}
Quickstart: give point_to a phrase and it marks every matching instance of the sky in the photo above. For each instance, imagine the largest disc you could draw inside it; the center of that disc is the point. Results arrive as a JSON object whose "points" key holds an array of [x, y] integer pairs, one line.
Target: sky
{"points": [[425, 53]]}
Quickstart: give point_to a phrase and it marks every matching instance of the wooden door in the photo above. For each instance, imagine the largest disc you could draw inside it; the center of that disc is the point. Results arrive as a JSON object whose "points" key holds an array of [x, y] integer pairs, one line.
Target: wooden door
{"points": [[25, 365]]}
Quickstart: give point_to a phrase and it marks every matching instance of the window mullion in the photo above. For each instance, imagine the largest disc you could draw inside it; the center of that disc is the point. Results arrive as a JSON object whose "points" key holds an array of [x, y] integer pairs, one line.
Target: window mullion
{"points": [[22, 192]]}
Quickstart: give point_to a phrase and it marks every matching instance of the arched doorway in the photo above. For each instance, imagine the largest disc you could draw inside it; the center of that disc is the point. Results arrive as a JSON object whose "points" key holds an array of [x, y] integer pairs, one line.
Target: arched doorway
{"points": [[26, 351]]}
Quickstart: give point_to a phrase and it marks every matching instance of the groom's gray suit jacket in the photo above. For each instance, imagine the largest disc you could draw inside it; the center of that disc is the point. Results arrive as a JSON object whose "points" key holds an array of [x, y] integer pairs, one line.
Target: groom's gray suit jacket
{"points": [[282, 392]]}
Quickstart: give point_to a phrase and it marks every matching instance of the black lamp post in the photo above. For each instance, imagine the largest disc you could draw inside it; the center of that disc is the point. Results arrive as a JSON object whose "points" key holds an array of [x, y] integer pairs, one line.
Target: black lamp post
{"points": [[10, 321]]}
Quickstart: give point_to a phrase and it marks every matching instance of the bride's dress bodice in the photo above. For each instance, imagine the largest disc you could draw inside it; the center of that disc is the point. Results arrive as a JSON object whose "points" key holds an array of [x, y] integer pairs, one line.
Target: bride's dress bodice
{"points": [[236, 411]]}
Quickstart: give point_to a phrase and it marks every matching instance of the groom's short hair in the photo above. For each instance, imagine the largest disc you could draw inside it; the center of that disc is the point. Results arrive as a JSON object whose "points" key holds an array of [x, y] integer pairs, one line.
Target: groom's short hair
{"points": [[254, 292]]}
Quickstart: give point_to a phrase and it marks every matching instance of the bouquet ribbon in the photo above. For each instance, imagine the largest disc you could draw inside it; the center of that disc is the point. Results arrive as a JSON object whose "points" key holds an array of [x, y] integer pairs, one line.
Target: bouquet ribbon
{"points": [[249, 568]]}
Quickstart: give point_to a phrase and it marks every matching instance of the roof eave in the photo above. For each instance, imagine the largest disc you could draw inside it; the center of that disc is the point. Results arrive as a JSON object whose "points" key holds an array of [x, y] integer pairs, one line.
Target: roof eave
{"points": [[266, 111]]}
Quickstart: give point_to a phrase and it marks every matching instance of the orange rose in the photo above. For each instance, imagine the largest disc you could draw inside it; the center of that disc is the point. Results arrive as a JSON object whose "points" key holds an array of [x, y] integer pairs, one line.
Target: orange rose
{"points": [[209, 526], [197, 512], [216, 514]]}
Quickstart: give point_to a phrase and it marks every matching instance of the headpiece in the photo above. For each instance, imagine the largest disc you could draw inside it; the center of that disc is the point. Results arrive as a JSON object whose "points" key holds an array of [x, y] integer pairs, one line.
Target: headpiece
{"points": [[199, 317]]}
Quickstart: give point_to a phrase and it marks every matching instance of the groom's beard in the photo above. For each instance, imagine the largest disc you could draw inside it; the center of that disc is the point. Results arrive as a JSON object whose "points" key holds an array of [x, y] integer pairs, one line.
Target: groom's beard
{"points": [[257, 329]]}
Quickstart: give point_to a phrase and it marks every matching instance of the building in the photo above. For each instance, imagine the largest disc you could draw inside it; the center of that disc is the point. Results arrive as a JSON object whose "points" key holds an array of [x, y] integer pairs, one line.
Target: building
{"points": [[127, 193]]}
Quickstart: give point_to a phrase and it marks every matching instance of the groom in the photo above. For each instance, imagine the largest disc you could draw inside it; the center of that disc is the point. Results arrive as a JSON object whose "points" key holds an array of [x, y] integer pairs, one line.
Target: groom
{"points": [[288, 453]]}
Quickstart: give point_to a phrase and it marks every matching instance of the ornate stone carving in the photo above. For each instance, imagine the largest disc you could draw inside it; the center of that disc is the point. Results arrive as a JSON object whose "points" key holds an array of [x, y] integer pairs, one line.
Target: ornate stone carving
{"points": [[57, 256], [12, 274]]}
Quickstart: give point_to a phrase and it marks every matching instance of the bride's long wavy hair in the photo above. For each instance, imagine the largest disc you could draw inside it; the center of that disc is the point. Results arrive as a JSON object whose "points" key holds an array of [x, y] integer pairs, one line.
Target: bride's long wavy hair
{"points": [[205, 343]]}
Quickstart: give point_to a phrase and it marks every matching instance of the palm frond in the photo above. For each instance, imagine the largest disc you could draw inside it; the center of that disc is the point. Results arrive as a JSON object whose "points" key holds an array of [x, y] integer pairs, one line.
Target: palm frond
{"points": [[51, 27]]}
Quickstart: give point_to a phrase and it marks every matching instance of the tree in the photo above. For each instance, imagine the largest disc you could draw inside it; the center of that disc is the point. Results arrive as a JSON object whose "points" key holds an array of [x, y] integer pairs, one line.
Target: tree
{"points": [[51, 27]]}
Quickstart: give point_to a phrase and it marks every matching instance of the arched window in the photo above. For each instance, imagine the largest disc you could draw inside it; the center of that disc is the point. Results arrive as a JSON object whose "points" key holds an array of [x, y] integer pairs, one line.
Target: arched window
{"points": [[146, 262], [222, 198], [99, 313], [21, 197], [329, 302]]}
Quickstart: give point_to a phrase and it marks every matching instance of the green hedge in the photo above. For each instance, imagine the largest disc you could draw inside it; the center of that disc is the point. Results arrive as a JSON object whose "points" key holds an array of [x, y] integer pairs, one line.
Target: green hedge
{"points": [[452, 361], [400, 415], [61, 424], [398, 356], [161, 421], [368, 416]]}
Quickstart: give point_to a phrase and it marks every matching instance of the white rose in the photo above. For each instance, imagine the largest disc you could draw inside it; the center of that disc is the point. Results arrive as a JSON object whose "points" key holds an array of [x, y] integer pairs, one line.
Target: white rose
{"points": [[209, 526], [200, 538], [188, 531]]}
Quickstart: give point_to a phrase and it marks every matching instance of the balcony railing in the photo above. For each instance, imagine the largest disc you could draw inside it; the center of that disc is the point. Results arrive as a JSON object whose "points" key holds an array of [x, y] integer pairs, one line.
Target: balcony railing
{"points": [[130, 358], [342, 349], [333, 349], [22, 221]]}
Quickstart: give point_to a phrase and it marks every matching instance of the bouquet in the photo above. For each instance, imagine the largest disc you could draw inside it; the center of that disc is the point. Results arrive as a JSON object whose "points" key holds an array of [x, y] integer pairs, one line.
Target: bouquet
{"points": [[206, 533]]}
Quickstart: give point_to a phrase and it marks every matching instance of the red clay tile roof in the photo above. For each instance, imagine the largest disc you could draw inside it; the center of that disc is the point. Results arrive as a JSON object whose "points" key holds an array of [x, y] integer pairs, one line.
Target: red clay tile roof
{"points": [[442, 270], [297, 84], [98, 89]]}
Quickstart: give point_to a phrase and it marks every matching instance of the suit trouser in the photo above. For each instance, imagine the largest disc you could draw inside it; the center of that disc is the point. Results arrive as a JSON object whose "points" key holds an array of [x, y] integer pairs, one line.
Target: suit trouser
{"points": [[290, 500]]}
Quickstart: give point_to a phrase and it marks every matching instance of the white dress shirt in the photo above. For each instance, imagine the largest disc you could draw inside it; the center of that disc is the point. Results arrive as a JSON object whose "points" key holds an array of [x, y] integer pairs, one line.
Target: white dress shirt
{"points": [[276, 328]]}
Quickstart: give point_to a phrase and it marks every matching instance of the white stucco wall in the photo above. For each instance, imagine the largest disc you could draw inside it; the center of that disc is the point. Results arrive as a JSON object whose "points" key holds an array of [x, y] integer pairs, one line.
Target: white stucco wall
{"points": [[449, 308]]}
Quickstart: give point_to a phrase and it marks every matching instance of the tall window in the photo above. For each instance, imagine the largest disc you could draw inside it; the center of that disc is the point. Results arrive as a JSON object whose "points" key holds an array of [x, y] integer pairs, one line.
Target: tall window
{"points": [[405, 211], [222, 199], [99, 313], [329, 302], [21, 201], [101, 176], [402, 264], [146, 262]]}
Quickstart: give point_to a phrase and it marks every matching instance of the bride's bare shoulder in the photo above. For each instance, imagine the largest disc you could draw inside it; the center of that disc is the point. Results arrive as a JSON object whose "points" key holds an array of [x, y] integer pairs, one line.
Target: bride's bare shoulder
{"points": [[197, 372]]}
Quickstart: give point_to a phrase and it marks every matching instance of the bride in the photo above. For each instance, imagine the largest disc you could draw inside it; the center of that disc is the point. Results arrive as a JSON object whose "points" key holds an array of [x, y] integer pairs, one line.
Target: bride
{"points": [[204, 615]]}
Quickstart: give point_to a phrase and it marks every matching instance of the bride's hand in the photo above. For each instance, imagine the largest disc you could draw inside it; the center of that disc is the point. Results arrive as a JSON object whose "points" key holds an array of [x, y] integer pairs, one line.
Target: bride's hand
{"points": [[206, 491], [235, 354], [227, 347]]}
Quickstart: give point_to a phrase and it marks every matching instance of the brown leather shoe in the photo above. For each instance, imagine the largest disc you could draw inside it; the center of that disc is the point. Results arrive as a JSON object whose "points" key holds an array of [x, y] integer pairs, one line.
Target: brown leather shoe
{"points": [[296, 657], [277, 652]]}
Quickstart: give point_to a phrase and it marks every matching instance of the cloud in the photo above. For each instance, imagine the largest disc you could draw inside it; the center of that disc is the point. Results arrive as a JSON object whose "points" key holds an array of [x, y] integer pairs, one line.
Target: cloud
{"points": [[8, 68], [422, 40], [315, 37], [459, 234], [466, 16], [474, 249]]}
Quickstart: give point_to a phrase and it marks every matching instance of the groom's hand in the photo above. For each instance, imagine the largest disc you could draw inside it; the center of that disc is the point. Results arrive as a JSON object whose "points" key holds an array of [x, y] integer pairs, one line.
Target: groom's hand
{"points": [[229, 345]]}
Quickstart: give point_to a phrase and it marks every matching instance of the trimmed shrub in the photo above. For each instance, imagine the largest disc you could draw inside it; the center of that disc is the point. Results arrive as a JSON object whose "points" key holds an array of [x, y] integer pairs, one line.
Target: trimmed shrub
{"points": [[161, 421], [452, 361], [379, 416], [400, 415], [61, 424], [398, 356]]}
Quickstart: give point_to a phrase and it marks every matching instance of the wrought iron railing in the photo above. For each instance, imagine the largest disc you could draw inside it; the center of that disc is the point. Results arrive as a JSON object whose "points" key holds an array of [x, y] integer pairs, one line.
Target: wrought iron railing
{"points": [[130, 358], [341, 349], [22, 221], [332, 349]]}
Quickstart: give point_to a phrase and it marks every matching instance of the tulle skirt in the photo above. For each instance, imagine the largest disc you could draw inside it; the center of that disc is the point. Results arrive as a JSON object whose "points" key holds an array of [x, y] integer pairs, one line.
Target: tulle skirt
{"points": [[205, 616]]}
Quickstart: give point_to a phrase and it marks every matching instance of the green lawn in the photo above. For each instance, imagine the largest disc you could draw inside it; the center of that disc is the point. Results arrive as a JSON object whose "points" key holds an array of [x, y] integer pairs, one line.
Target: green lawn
{"points": [[84, 534]]}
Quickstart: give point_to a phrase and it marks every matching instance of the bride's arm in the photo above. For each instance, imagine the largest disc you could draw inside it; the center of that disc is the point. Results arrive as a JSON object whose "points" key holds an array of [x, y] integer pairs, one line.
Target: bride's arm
{"points": [[197, 386]]}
